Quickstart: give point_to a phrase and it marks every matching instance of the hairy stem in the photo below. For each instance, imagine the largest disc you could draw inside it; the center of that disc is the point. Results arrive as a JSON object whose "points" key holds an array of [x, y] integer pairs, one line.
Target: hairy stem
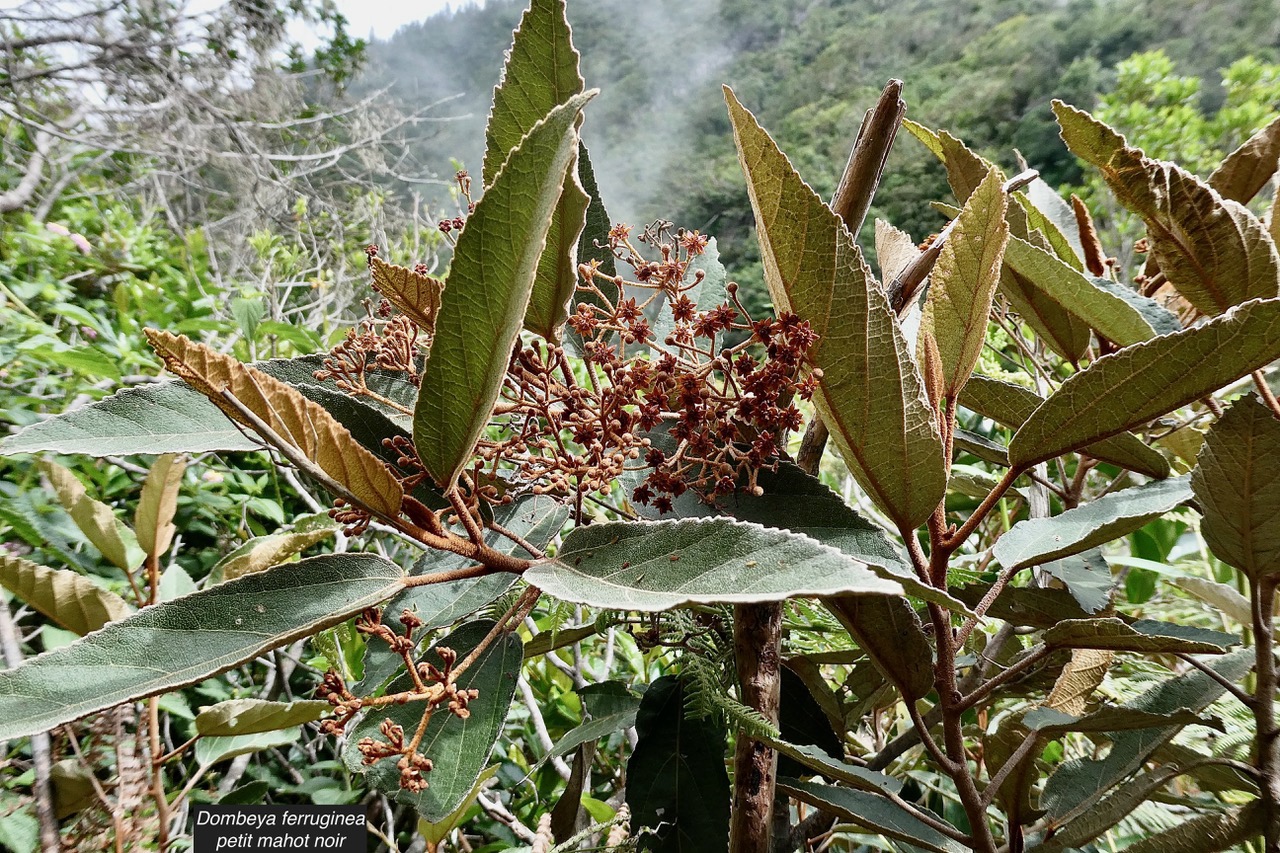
{"points": [[757, 637], [1266, 735]]}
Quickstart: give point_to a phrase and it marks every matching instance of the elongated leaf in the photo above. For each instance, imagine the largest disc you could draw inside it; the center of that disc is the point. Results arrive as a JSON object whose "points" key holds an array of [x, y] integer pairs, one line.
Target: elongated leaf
{"points": [[651, 566], [70, 599], [262, 552], [875, 812], [1145, 635], [810, 716], [459, 749], [1207, 833], [593, 246], [490, 282], [416, 294], [1130, 387], [1030, 607], [965, 169], [1040, 540], [1113, 317], [834, 769], [1212, 249], [94, 518], [1225, 599], [1051, 215], [210, 750], [620, 717], [1064, 333], [889, 631], [676, 779], [172, 417], [541, 73], [201, 635], [299, 421], [871, 395], [1113, 719], [797, 502], [1159, 318], [1080, 782], [153, 520], [1237, 486], [963, 283], [1245, 171], [250, 716], [1010, 405], [1112, 809]]}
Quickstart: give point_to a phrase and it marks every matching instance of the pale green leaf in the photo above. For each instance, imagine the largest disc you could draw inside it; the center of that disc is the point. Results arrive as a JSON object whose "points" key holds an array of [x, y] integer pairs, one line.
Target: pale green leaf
{"points": [[1144, 381], [250, 716], [1039, 540], [1225, 599], [1113, 317], [1051, 215], [874, 812], [652, 566], [1086, 576], [1212, 249], [1113, 718], [1237, 487], [1144, 635], [1010, 405], [200, 635], [263, 552], [889, 631], [1207, 833], [487, 292], [963, 283], [210, 750], [68, 598], [871, 395]]}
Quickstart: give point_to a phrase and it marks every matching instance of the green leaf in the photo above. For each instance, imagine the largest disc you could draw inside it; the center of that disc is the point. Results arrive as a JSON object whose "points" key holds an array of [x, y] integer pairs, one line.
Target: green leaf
{"points": [[875, 812], [541, 73], [804, 723], [963, 284], [889, 631], [1113, 719], [1108, 812], [1114, 318], [458, 749], [1237, 487], [1159, 318], [1144, 381], [1212, 249], [262, 552], [795, 501], [1010, 405], [172, 417], [20, 829], [965, 170], [1207, 833], [1040, 540], [1062, 331], [1144, 635], [652, 566], [490, 281], [1029, 607], [871, 395], [620, 717], [676, 780], [211, 750], [1245, 171], [821, 762], [1079, 783], [250, 716], [94, 518], [1048, 213], [1087, 577], [68, 598], [435, 832], [201, 634]]}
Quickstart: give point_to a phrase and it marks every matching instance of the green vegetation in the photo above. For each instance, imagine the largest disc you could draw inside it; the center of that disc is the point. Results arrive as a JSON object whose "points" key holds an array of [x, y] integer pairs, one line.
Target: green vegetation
{"points": [[521, 529]]}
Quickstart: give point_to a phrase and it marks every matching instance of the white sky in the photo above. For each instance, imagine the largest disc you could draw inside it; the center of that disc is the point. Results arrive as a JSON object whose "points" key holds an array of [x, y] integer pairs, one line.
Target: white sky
{"points": [[381, 17]]}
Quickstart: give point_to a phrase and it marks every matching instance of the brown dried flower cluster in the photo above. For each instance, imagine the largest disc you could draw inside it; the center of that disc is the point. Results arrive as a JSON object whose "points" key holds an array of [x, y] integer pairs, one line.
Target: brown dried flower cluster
{"points": [[727, 409], [435, 687]]}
